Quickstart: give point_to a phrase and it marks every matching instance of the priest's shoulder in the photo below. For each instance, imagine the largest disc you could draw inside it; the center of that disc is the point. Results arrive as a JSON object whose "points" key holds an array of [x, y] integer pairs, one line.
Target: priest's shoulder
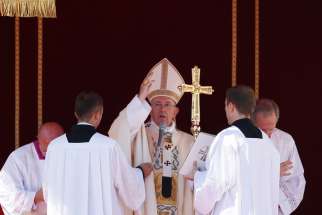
{"points": [[283, 134], [232, 130], [22, 151], [61, 138], [24, 148], [186, 136], [57, 141], [101, 138]]}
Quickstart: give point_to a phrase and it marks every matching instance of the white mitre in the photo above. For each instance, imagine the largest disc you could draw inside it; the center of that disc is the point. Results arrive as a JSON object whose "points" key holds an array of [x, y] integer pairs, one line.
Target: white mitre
{"points": [[166, 81]]}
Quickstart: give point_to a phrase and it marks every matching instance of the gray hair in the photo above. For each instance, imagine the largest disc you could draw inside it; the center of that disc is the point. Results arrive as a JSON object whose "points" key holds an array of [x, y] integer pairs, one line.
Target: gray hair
{"points": [[266, 106]]}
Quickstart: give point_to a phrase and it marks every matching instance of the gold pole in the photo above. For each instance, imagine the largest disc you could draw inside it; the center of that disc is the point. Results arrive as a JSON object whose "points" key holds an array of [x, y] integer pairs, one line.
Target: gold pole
{"points": [[40, 72], [257, 48], [17, 82], [234, 44]]}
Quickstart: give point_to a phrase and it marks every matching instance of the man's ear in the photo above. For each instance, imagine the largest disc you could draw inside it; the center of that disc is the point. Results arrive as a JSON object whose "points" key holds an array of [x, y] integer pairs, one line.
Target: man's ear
{"points": [[75, 114], [231, 107], [98, 114]]}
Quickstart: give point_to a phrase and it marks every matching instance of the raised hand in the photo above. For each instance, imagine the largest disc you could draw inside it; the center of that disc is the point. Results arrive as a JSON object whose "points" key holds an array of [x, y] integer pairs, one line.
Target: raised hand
{"points": [[145, 87]]}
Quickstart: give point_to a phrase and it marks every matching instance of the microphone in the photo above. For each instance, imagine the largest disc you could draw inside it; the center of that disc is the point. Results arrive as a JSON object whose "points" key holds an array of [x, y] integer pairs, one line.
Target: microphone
{"points": [[158, 147], [162, 128]]}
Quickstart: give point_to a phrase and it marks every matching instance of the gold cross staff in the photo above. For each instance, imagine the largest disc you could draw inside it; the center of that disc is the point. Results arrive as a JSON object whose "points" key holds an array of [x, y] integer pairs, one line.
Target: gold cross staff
{"points": [[195, 89]]}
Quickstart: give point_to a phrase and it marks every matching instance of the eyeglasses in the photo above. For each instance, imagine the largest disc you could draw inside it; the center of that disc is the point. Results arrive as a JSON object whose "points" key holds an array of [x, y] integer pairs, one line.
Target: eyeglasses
{"points": [[165, 106]]}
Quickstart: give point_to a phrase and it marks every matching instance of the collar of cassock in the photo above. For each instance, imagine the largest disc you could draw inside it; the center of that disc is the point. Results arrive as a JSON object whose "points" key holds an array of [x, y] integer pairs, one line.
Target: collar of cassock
{"points": [[80, 133], [246, 126], [169, 129], [41, 156]]}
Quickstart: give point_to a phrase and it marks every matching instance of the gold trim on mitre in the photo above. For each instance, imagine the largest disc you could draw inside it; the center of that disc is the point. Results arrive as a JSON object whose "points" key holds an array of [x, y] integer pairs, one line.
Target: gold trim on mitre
{"points": [[166, 93], [163, 86], [164, 75]]}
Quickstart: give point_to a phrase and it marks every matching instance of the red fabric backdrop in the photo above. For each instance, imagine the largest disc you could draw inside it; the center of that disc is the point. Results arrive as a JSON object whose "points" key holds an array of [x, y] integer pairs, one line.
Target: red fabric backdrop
{"points": [[109, 48], [1, 213]]}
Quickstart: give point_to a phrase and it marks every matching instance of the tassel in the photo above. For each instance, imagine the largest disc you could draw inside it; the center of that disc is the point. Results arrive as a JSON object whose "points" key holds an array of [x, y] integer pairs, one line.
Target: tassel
{"points": [[28, 8]]}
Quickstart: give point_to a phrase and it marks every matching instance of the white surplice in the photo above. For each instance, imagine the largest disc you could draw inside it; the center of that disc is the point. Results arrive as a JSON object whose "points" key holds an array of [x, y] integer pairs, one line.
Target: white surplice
{"points": [[241, 177], [20, 179], [138, 141], [90, 178], [291, 187]]}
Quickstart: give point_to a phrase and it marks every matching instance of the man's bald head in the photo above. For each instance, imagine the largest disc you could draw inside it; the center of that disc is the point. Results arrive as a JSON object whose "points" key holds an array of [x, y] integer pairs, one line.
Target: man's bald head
{"points": [[47, 132]]}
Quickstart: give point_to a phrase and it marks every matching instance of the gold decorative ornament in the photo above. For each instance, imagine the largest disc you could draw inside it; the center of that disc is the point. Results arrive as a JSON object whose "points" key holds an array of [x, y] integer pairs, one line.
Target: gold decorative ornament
{"points": [[257, 44], [195, 89], [17, 82], [234, 43], [28, 8]]}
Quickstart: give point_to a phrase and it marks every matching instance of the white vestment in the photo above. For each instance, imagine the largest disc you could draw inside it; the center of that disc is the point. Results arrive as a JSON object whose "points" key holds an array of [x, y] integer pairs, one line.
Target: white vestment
{"points": [[20, 179], [90, 178], [241, 177], [291, 187], [138, 142]]}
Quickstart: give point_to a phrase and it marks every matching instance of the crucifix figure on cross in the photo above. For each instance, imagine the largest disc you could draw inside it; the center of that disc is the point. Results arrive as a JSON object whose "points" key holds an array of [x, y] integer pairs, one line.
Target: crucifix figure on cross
{"points": [[195, 89]]}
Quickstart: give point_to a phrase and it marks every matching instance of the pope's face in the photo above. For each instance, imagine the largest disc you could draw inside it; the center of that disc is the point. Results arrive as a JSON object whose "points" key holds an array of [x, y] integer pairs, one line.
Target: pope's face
{"points": [[266, 122], [164, 110]]}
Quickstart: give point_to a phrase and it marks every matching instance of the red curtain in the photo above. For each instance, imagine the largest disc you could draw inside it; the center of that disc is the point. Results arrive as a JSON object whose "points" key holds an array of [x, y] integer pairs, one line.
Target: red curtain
{"points": [[1, 213]]}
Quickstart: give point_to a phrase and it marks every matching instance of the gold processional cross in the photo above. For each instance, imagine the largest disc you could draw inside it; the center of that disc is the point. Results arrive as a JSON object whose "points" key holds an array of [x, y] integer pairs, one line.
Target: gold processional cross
{"points": [[195, 89]]}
